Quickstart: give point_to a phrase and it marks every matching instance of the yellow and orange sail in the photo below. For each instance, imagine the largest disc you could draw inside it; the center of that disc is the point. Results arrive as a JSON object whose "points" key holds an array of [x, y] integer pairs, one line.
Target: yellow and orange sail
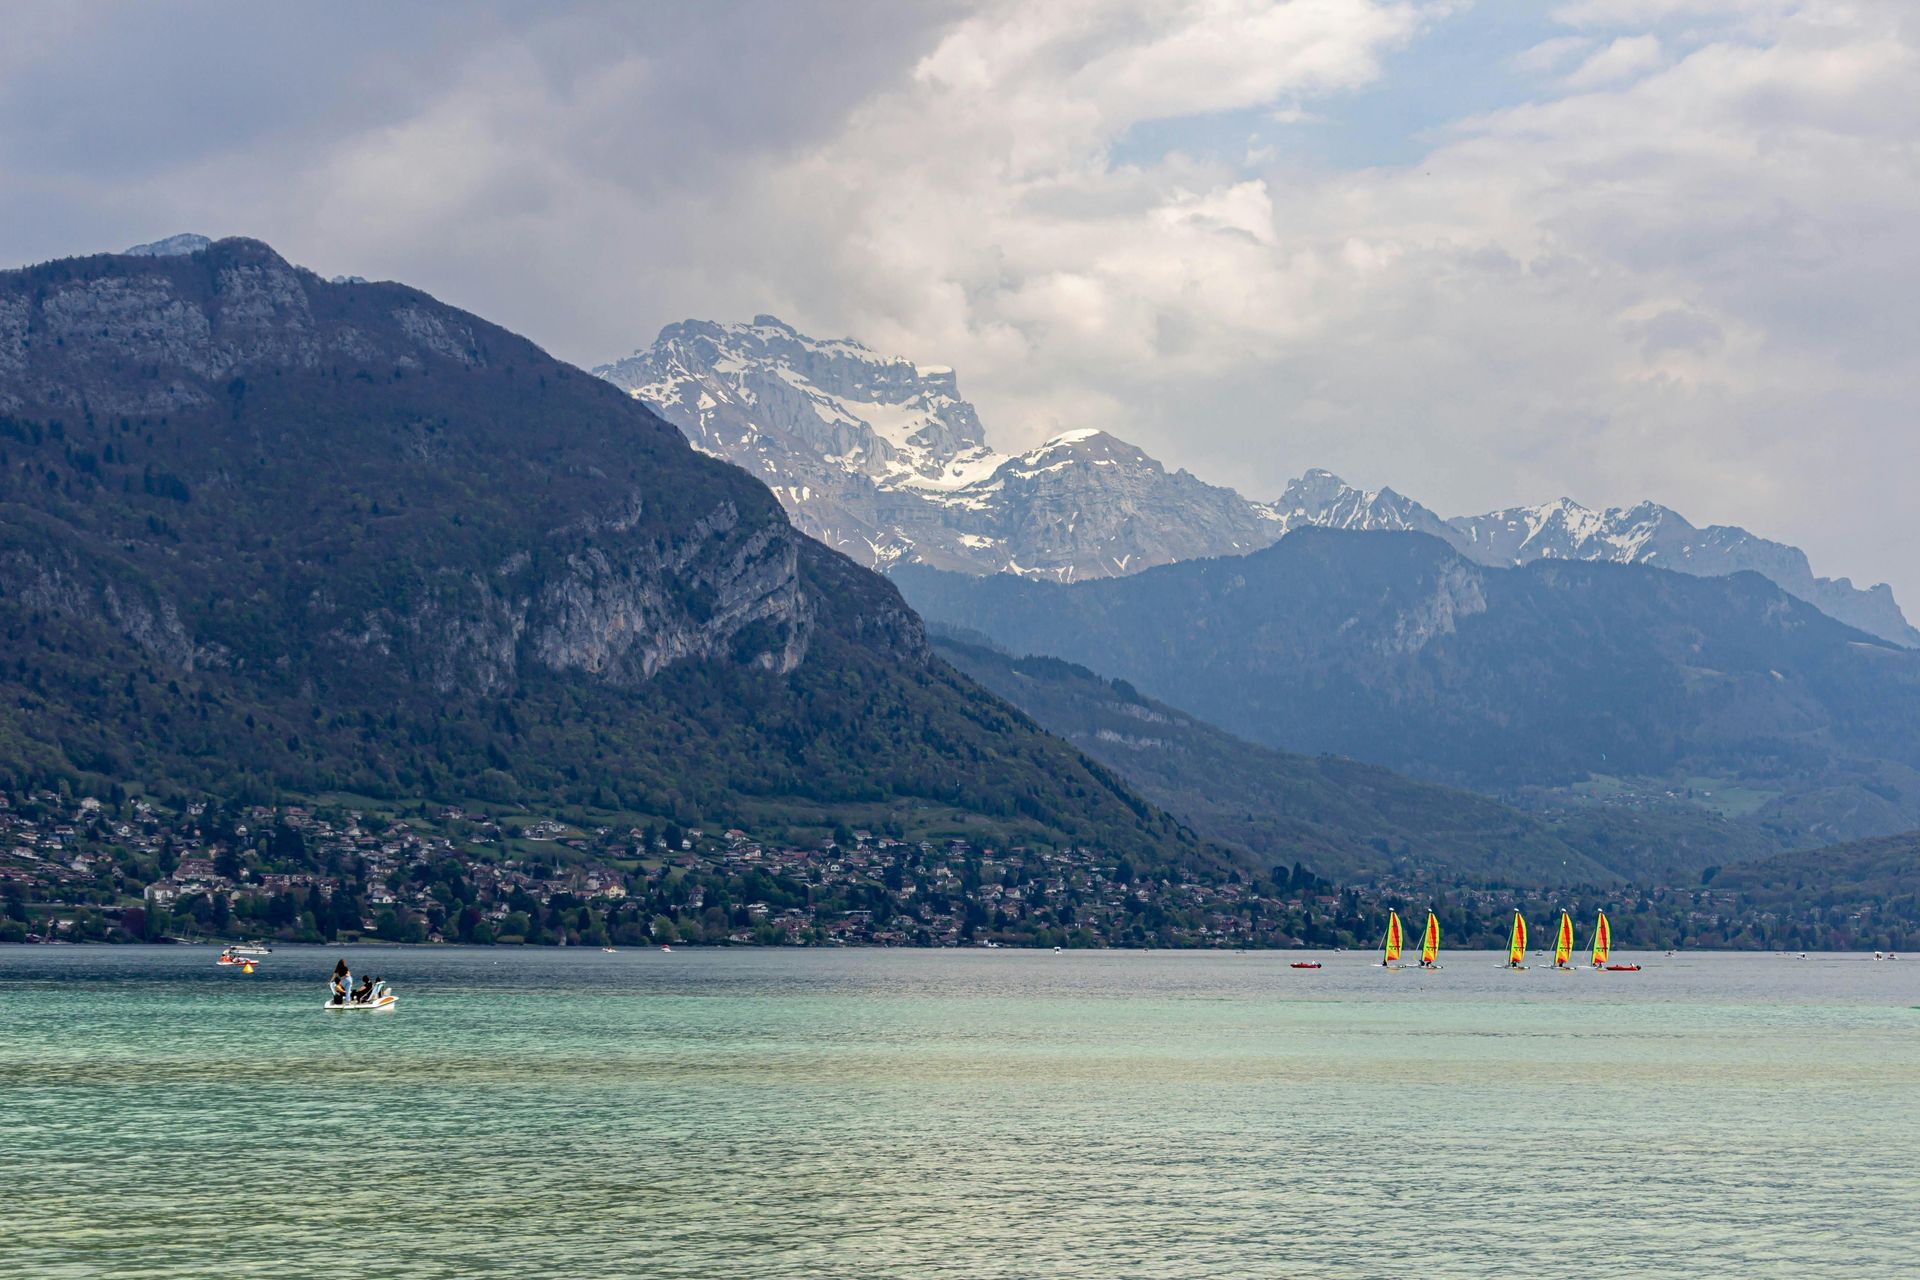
{"points": [[1602, 941], [1390, 949], [1563, 942], [1430, 941], [1517, 943]]}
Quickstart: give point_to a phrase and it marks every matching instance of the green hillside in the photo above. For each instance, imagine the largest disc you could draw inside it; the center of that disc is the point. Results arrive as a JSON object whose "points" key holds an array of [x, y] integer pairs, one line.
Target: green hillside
{"points": [[1863, 894], [264, 534], [1345, 820]]}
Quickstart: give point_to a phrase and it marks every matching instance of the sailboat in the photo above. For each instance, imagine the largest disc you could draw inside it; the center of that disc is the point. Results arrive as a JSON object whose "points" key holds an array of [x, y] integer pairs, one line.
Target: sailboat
{"points": [[1430, 943], [1603, 948], [1390, 945], [1563, 943], [1517, 943]]}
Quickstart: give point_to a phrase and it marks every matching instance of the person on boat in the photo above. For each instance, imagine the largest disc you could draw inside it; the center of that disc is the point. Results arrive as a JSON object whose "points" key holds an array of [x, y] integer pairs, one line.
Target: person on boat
{"points": [[364, 990], [341, 980]]}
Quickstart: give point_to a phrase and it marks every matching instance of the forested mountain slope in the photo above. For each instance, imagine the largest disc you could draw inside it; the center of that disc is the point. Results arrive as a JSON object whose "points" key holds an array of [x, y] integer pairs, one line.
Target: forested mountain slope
{"points": [[1344, 820], [341, 537], [1395, 649]]}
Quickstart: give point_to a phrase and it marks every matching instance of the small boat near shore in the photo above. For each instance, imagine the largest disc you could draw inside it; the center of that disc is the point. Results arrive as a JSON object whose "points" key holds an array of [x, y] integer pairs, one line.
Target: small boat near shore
{"points": [[1304, 964], [1430, 942], [1517, 944], [1602, 949], [1563, 944], [1390, 945], [379, 997], [385, 1000]]}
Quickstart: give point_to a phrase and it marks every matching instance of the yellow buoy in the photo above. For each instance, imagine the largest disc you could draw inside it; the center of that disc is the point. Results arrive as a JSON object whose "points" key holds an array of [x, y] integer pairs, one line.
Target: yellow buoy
{"points": [[247, 967]]}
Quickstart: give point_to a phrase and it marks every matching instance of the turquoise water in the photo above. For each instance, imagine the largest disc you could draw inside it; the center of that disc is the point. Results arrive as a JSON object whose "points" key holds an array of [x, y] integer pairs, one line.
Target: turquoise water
{"points": [[982, 1114]]}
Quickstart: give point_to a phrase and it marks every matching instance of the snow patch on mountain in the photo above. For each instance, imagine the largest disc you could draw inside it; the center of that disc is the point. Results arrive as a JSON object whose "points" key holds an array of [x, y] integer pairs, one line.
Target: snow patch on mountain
{"points": [[882, 459], [172, 247]]}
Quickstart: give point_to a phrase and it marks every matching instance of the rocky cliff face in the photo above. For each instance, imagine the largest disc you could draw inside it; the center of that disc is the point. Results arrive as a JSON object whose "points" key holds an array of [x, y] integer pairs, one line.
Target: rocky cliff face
{"points": [[881, 459], [221, 395], [261, 532]]}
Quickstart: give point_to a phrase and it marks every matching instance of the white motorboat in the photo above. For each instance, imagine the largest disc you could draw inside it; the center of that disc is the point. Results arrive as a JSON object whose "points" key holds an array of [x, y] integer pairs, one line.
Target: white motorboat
{"points": [[382, 997], [385, 1001]]}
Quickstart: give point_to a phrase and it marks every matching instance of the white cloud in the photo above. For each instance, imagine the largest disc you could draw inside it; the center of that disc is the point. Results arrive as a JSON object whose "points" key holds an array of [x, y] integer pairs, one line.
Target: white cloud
{"points": [[1684, 272], [1648, 288], [1642, 13], [1624, 59], [1549, 55]]}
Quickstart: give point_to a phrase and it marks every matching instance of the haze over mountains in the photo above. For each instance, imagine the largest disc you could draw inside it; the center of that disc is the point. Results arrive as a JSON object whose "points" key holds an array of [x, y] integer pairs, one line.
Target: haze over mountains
{"points": [[1344, 819], [1396, 649], [882, 459]]}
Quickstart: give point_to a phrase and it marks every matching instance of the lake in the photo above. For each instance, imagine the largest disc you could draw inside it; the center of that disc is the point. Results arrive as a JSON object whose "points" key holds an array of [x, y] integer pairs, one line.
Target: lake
{"points": [[761, 1113]]}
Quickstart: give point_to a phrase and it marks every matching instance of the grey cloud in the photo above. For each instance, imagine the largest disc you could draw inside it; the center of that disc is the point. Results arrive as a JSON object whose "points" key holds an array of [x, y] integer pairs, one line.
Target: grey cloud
{"points": [[1691, 284], [1679, 329]]}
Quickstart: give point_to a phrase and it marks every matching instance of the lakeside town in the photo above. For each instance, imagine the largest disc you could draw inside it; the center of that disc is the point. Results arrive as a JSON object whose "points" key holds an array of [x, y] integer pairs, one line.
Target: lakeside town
{"points": [[125, 869]]}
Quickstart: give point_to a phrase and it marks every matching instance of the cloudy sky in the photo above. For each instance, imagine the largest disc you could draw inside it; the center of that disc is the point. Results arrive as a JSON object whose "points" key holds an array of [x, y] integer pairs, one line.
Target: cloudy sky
{"points": [[1485, 253]]}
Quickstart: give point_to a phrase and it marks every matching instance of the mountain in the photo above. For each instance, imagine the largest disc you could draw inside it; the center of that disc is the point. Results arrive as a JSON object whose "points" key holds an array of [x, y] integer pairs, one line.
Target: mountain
{"points": [[1646, 685], [882, 459], [1345, 820], [1647, 534], [343, 538], [171, 247]]}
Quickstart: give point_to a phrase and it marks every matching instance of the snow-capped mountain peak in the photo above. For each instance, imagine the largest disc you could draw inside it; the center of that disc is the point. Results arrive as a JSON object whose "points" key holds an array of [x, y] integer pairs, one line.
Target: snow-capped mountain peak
{"points": [[1322, 498], [765, 387], [1087, 447], [880, 457]]}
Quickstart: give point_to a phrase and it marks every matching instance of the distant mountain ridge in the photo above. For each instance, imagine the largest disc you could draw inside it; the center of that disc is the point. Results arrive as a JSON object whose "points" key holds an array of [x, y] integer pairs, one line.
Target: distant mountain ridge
{"points": [[1350, 821], [1564, 530], [880, 458], [1398, 650]]}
